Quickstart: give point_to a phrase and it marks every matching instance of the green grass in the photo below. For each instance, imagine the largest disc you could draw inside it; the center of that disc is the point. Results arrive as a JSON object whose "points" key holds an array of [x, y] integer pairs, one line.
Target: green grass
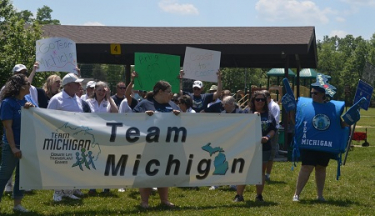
{"points": [[353, 194], [367, 121]]}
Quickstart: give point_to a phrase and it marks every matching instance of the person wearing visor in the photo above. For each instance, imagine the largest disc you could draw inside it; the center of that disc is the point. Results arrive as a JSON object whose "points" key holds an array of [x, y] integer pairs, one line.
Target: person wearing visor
{"points": [[89, 90]]}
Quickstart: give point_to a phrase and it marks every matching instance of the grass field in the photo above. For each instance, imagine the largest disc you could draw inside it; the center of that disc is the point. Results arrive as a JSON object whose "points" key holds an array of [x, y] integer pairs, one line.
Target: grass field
{"points": [[353, 194]]}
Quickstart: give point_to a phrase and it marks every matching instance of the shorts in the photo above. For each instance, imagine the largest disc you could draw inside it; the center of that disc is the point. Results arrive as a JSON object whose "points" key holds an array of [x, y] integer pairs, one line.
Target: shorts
{"points": [[266, 155], [313, 158], [274, 145]]}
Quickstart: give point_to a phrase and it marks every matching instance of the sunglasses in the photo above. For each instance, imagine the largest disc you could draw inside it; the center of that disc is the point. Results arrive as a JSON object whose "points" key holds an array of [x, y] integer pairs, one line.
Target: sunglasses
{"points": [[314, 93], [196, 89], [260, 99], [121, 87]]}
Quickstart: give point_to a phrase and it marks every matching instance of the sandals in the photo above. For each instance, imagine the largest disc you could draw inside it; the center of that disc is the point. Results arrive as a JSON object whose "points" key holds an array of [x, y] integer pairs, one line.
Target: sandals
{"points": [[168, 204]]}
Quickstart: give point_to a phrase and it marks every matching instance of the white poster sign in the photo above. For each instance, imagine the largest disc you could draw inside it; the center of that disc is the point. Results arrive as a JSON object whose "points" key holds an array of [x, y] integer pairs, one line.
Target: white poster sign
{"points": [[56, 54], [62, 150], [201, 64]]}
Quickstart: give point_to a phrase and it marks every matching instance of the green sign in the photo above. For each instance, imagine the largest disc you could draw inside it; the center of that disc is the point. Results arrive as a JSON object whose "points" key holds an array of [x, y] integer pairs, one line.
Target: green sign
{"points": [[153, 67]]}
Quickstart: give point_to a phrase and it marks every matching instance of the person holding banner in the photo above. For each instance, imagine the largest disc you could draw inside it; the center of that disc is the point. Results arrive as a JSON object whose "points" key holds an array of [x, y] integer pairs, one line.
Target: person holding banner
{"points": [[200, 101], [67, 100], [101, 102], [13, 99], [158, 101], [259, 106]]}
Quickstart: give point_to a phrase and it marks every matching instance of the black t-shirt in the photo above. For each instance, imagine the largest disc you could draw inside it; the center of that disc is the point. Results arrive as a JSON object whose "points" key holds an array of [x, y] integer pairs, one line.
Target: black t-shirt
{"points": [[151, 104], [134, 103], [214, 108], [117, 100], [200, 102], [42, 98]]}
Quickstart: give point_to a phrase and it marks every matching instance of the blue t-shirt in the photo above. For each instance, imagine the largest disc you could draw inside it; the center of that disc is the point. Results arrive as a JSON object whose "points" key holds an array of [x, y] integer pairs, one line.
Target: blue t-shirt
{"points": [[200, 102], [151, 104], [268, 123], [11, 110]]}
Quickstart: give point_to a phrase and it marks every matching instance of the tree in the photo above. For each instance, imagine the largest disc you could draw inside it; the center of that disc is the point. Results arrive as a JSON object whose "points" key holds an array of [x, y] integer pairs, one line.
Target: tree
{"points": [[43, 16], [26, 15], [17, 41]]}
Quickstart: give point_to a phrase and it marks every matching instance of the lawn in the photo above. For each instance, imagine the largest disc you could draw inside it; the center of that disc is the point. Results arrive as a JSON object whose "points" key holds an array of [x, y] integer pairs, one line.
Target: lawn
{"points": [[353, 194]]}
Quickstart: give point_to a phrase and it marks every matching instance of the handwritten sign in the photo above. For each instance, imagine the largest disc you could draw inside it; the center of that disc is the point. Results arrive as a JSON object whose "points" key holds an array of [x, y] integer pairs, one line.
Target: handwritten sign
{"points": [[363, 90], [153, 67], [201, 64], [56, 54]]}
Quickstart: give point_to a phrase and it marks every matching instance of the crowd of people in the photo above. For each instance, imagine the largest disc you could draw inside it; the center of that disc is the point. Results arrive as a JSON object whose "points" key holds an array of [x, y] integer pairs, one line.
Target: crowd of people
{"points": [[67, 94]]}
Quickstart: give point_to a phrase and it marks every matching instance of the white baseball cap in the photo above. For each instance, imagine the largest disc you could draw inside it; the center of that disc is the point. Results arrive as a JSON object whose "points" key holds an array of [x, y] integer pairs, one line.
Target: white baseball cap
{"points": [[69, 78], [18, 67], [197, 84], [90, 84]]}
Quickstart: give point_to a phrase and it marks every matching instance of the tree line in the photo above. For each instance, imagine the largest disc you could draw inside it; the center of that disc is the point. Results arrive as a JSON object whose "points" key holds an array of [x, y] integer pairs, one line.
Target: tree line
{"points": [[341, 58]]}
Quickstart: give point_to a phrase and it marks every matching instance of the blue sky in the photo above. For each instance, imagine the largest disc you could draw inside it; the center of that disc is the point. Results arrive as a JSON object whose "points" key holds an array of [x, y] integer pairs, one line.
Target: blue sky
{"points": [[330, 17]]}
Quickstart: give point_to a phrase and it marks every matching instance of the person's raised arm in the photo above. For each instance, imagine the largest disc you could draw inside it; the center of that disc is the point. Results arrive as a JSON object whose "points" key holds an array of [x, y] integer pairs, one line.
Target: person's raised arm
{"points": [[218, 92], [181, 76], [114, 108], [32, 74], [129, 88], [78, 71]]}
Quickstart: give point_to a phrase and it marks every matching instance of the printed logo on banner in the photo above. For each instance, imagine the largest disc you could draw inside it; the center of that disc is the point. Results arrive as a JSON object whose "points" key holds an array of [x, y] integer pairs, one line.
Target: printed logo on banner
{"points": [[220, 162], [65, 147]]}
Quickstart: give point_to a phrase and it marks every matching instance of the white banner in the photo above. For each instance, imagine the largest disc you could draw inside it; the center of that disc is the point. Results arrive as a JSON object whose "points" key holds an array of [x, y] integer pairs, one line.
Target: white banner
{"points": [[201, 64], [56, 54], [62, 150]]}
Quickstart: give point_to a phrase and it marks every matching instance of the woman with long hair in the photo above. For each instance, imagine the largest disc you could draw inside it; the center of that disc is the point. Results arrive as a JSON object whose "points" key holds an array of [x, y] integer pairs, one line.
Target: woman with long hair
{"points": [[259, 106], [52, 86], [157, 101], [13, 99]]}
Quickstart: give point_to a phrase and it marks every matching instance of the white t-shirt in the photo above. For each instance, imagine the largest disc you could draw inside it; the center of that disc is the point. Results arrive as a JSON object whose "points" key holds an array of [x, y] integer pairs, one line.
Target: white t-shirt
{"points": [[103, 107], [190, 110], [275, 110], [124, 107], [62, 101], [84, 97]]}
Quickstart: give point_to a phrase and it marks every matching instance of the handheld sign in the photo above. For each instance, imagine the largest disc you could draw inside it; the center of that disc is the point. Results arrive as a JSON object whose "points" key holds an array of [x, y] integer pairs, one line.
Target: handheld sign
{"points": [[56, 54], [368, 73], [201, 64], [363, 90], [153, 67], [288, 100]]}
